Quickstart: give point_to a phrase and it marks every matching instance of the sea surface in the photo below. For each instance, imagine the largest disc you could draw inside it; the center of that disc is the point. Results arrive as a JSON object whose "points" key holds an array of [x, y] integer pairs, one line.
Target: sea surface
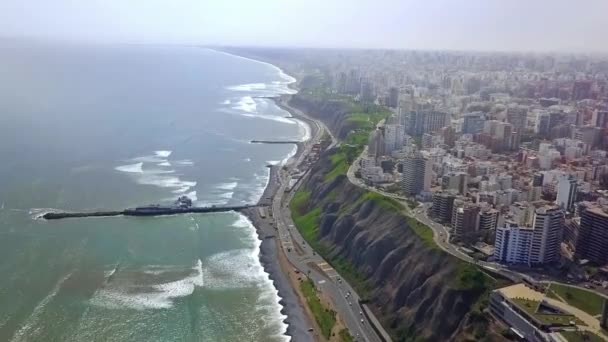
{"points": [[110, 127]]}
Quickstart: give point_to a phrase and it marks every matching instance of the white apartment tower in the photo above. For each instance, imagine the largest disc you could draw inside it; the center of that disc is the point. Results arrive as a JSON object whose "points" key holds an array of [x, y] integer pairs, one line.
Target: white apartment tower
{"points": [[535, 245], [566, 192]]}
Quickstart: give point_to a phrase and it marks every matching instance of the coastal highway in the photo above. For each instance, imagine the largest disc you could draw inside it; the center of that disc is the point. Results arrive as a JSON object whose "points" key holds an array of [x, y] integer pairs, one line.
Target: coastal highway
{"points": [[307, 261]]}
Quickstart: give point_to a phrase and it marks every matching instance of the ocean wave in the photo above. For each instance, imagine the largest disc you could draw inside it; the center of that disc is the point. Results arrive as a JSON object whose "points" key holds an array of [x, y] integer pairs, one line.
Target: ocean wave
{"points": [[248, 87], [227, 186], [268, 298], [272, 117], [292, 153], [163, 153], [162, 178], [148, 288], [246, 104], [131, 168]]}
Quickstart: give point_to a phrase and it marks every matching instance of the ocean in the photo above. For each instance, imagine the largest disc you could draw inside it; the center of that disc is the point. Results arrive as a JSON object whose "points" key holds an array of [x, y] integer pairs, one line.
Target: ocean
{"points": [[111, 127]]}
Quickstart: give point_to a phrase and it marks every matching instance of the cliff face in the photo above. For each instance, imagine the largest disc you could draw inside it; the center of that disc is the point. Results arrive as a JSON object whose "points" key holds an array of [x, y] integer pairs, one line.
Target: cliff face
{"points": [[331, 112], [414, 287]]}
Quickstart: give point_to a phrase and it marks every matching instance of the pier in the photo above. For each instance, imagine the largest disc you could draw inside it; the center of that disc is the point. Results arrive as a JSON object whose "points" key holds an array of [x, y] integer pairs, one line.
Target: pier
{"points": [[275, 142], [133, 212]]}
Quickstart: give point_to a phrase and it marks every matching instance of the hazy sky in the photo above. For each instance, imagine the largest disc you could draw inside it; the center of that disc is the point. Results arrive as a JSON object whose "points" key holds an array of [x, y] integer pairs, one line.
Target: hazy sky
{"points": [[562, 25]]}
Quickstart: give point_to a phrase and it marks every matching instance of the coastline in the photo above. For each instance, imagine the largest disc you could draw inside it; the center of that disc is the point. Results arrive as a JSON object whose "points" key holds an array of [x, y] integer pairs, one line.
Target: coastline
{"points": [[298, 317]]}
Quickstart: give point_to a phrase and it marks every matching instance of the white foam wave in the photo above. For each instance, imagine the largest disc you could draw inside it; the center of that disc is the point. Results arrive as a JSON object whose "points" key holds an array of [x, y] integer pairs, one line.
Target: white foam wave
{"points": [[160, 177], [226, 102], [227, 186], [129, 293], [185, 162], [268, 299], [131, 168], [292, 153], [247, 159], [163, 153], [272, 117], [305, 128], [246, 104], [248, 87]]}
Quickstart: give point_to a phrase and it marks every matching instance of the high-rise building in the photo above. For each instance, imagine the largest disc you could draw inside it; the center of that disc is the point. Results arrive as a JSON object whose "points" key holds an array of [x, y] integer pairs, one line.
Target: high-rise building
{"points": [[600, 119], [566, 192], [443, 205], [465, 220], [537, 179], [393, 138], [455, 181], [539, 244], [512, 244], [548, 233], [416, 174], [488, 218], [517, 116], [376, 144], [587, 134], [425, 121], [592, 240], [473, 122], [393, 97]]}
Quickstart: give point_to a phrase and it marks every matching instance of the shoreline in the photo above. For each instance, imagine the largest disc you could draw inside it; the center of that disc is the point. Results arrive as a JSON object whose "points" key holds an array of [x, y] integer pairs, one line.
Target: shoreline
{"points": [[298, 317]]}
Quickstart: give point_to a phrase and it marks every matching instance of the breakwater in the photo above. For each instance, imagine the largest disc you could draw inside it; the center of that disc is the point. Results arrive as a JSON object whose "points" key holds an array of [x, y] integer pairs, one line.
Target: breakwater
{"points": [[275, 142], [136, 212]]}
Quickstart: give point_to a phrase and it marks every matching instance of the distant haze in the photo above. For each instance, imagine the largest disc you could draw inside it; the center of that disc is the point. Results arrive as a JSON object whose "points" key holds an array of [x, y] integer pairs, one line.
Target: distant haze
{"points": [[505, 25]]}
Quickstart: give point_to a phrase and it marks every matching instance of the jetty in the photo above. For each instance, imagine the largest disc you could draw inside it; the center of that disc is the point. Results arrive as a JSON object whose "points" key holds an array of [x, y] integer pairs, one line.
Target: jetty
{"points": [[56, 215], [275, 142]]}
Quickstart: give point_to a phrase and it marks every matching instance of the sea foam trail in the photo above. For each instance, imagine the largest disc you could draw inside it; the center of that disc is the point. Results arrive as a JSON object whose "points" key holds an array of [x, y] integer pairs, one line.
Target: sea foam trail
{"points": [[129, 292], [32, 320], [160, 174], [163, 153], [131, 168]]}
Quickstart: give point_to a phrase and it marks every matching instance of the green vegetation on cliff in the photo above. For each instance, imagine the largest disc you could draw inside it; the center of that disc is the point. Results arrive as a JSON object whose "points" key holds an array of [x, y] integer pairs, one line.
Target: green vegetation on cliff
{"points": [[326, 318], [466, 281]]}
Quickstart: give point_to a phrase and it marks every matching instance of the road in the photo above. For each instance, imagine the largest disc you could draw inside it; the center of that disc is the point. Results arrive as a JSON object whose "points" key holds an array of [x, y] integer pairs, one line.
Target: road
{"points": [[307, 261]]}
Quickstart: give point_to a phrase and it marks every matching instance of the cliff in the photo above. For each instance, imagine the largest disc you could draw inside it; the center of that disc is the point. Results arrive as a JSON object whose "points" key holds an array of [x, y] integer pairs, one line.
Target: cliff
{"points": [[418, 291], [333, 112]]}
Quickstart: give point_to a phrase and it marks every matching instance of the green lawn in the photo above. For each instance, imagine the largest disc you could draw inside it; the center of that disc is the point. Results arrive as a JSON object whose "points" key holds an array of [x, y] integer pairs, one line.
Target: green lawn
{"points": [[326, 318], [345, 336], [587, 301], [531, 306], [579, 336]]}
